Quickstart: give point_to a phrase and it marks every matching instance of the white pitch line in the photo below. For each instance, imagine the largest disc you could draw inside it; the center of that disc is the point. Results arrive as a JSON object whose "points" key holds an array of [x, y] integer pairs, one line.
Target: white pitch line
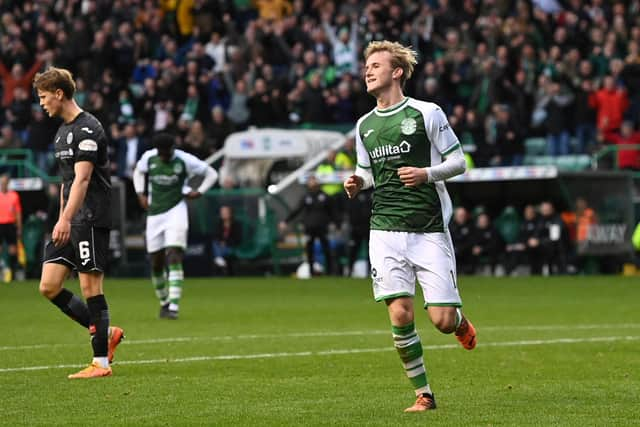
{"points": [[614, 326], [330, 352], [557, 327]]}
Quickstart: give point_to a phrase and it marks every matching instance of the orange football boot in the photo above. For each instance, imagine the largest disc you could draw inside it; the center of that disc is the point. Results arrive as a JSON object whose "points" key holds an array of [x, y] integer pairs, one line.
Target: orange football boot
{"points": [[91, 371], [424, 402], [466, 334], [116, 335]]}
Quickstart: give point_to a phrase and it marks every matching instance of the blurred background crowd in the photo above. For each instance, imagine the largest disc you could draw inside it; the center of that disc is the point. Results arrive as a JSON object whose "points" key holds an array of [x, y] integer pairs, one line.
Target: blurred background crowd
{"points": [[564, 72], [503, 70]]}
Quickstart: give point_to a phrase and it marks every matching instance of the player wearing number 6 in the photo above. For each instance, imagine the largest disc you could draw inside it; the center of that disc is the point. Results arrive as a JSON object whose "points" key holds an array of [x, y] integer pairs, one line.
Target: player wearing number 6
{"points": [[80, 238], [405, 150]]}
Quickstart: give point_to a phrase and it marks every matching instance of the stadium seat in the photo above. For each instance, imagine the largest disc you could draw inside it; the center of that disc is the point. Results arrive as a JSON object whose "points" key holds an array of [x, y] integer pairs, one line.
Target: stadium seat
{"points": [[568, 162], [535, 146], [508, 224], [540, 160], [258, 241], [573, 162]]}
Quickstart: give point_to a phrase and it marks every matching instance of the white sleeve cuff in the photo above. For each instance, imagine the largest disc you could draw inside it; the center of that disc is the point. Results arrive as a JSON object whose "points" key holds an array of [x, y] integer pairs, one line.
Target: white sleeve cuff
{"points": [[209, 179], [454, 164], [367, 177]]}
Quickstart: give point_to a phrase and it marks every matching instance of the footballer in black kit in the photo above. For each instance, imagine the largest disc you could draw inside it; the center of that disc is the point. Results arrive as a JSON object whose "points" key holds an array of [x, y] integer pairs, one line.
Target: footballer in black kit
{"points": [[84, 139], [80, 237]]}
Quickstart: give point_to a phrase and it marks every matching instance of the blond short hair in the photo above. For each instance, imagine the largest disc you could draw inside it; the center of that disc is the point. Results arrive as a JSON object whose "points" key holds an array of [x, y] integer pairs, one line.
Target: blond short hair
{"points": [[55, 78], [401, 56]]}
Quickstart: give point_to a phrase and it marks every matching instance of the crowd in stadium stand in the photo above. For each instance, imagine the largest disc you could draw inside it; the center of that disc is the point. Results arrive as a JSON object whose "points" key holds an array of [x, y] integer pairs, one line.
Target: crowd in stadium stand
{"points": [[568, 71], [565, 71]]}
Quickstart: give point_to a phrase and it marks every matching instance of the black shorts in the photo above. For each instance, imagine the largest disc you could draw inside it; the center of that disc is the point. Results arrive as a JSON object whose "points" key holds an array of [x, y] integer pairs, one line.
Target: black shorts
{"points": [[8, 234], [86, 251]]}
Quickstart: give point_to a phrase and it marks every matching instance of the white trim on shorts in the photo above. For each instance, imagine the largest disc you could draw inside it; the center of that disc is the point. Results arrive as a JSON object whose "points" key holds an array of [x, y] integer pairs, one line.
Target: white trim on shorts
{"points": [[53, 260]]}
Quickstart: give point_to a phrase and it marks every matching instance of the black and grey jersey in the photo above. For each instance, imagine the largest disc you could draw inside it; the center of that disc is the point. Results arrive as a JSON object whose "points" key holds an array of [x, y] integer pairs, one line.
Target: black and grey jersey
{"points": [[84, 139]]}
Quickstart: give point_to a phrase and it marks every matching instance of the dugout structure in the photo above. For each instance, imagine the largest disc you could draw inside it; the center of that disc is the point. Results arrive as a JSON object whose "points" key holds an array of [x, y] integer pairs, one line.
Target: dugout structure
{"points": [[608, 193], [253, 161], [262, 250]]}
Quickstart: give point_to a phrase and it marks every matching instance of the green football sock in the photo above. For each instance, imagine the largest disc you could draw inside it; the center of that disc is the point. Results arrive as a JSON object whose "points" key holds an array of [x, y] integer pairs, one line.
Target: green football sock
{"points": [[176, 277], [459, 318], [407, 342], [160, 285]]}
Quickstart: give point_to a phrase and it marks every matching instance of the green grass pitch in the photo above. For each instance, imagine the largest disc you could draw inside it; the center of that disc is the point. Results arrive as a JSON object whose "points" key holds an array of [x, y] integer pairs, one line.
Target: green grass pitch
{"points": [[278, 351]]}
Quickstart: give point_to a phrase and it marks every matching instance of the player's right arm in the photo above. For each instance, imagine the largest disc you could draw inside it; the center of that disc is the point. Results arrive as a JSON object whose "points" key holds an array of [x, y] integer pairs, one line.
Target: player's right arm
{"points": [[62, 230], [61, 201], [139, 172], [362, 178], [138, 185]]}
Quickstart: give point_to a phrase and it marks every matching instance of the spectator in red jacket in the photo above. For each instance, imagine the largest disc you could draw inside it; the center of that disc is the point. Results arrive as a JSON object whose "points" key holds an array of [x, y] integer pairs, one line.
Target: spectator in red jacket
{"points": [[16, 78], [627, 158], [610, 103]]}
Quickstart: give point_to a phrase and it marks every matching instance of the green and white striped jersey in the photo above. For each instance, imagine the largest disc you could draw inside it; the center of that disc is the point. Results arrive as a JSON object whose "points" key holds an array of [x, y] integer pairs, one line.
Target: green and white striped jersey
{"points": [[167, 181], [410, 133]]}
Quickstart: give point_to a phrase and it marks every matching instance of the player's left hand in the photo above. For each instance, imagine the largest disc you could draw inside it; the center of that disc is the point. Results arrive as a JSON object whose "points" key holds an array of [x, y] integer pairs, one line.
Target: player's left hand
{"points": [[193, 195], [61, 232], [411, 176]]}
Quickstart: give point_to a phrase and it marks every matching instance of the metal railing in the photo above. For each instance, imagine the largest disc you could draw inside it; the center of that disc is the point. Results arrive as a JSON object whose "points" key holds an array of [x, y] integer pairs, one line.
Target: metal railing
{"points": [[21, 161], [612, 151]]}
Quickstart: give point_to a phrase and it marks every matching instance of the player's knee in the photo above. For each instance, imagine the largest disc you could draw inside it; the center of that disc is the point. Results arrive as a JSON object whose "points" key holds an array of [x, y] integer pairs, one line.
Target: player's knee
{"points": [[444, 324], [48, 289], [400, 314], [157, 266], [401, 317], [157, 261], [174, 256]]}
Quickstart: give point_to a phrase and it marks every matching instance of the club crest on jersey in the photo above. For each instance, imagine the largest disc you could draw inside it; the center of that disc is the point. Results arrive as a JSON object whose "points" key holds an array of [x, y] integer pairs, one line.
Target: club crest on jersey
{"points": [[390, 150], [177, 168], [69, 137], [408, 126]]}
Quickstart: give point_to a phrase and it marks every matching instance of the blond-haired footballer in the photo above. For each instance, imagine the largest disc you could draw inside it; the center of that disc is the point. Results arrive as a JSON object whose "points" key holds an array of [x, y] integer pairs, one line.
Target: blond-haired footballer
{"points": [[405, 150]]}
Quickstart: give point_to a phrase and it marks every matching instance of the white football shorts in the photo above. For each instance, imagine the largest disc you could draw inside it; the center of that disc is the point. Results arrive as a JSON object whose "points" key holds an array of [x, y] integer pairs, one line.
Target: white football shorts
{"points": [[168, 229], [399, 258]]}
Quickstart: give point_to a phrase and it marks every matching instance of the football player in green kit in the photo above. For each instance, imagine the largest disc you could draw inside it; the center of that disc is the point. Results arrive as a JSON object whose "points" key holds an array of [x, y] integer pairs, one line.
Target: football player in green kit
{"points": [[405, 150], [168, 170]]}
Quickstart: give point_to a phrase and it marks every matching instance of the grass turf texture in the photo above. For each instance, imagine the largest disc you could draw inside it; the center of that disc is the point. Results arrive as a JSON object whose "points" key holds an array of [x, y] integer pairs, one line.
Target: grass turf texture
{"points": [[277, 351]]}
